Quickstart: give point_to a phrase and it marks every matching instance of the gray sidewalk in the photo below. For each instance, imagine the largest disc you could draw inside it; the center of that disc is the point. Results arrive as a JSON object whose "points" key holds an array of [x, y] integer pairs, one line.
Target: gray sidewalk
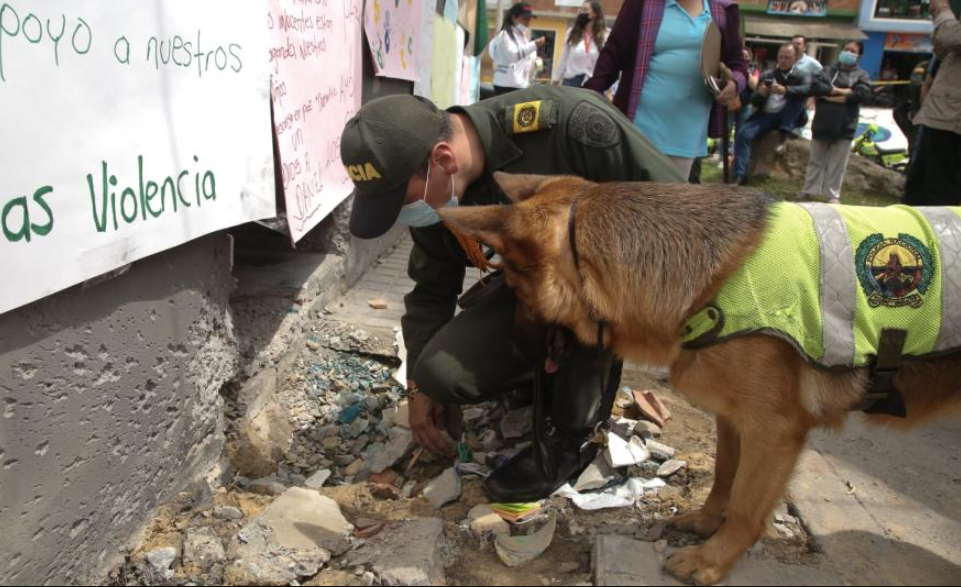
{"points": [[388, 281]]}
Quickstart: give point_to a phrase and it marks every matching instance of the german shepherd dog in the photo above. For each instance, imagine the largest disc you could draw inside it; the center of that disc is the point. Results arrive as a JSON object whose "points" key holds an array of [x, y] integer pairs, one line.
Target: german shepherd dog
{"points": [[649, 257]]}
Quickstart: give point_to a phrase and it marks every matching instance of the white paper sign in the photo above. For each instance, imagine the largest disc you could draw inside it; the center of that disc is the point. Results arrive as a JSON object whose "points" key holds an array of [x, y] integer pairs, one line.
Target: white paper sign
{"points": [[128, 128]]}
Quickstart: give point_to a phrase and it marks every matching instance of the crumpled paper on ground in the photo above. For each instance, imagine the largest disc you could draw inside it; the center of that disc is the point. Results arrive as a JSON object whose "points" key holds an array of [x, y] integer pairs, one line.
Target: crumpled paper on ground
{"points": [[618, 496]]}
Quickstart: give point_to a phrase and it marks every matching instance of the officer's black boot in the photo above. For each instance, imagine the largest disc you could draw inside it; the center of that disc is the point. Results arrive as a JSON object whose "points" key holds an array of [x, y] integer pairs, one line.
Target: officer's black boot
{"points": [[562, 448]]}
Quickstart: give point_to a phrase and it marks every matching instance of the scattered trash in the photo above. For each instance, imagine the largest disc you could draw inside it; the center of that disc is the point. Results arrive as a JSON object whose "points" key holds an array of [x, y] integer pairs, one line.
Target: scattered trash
{"points": [[621, 453], [519, 513], [624, 495]]}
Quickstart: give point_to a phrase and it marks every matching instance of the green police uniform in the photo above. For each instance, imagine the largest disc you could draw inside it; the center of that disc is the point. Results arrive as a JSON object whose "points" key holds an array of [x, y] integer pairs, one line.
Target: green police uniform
{"points": [[478, 354], [831, 280], [544, 130]]}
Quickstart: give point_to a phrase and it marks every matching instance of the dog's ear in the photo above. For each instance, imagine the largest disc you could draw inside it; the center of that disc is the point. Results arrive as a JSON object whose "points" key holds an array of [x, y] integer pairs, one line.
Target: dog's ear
{"points": [[488, 224], [519, 187]]}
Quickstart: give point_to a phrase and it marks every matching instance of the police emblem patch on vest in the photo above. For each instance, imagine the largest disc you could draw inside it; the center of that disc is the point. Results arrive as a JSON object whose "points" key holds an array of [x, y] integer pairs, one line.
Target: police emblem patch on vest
{"points": [[894, 272]]}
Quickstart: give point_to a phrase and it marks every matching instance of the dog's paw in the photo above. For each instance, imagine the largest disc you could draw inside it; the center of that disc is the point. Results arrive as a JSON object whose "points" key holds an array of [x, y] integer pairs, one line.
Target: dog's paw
{"points": [[701, 522], [691, 566]]}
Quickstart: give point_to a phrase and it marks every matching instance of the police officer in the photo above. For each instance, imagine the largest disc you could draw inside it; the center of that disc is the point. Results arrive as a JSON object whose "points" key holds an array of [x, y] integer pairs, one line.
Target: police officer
{"points": [[407, 159]]}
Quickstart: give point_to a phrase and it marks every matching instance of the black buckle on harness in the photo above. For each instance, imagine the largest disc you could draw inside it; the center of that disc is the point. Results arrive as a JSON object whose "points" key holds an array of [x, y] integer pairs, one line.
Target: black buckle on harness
{"points": [[882, 396]]}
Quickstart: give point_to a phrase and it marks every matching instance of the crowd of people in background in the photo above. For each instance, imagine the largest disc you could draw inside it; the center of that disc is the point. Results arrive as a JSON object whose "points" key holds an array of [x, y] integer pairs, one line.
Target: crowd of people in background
{"points": [[651, 62]]}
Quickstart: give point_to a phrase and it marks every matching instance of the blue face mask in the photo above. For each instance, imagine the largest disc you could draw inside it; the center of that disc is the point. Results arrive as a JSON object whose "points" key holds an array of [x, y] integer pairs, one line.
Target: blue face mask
{"points": [[420, 214], [848, 58]]}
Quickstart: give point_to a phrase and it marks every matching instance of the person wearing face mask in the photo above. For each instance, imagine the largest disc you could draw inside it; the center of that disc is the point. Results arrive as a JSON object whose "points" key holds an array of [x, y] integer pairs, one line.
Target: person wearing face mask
{"points": [[513, 52], [408, 159], [840, 90], [582, 47]]}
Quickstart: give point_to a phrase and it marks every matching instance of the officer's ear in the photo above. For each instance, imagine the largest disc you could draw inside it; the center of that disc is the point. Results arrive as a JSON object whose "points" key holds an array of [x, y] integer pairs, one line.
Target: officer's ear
{"points": [[519, 187], [488, 224]]}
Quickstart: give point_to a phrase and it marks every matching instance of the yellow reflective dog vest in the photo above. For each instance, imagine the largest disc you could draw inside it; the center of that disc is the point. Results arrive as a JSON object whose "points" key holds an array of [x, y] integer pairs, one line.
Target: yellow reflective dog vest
{"points": [[831, 279]]}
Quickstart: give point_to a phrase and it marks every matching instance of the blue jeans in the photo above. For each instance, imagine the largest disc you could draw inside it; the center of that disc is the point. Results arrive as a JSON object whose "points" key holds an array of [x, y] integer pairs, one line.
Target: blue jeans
{"points": [[758, 126], [575, 82]]}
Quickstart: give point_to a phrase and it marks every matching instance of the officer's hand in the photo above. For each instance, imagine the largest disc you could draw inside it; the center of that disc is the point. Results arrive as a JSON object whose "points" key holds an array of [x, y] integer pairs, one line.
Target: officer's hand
{"points": [[728, 94], [764, 90], [540, 41], [779, 89], [427, 423]]}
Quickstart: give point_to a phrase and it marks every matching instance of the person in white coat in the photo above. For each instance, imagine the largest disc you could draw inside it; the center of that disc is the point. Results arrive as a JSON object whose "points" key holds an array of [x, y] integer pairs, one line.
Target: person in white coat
{"points": [[582, 46], [513, 52]]}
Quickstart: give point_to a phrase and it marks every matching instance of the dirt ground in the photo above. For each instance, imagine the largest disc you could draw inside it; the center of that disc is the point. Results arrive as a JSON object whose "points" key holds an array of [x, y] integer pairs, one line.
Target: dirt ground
{"points": [[470, 561]]}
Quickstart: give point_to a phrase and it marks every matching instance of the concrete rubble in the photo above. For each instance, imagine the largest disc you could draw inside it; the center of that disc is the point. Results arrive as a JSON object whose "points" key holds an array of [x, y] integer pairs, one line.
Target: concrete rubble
{"points": [[351, 432]]}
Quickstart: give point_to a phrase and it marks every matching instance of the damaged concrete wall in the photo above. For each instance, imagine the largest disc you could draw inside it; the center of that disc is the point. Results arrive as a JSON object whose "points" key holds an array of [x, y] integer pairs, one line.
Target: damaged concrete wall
{"points": [[110, 406]]}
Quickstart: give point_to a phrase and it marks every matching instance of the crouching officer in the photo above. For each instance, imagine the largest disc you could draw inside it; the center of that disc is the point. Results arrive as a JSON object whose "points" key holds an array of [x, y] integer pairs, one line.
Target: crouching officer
{"points": [[407, 159]]}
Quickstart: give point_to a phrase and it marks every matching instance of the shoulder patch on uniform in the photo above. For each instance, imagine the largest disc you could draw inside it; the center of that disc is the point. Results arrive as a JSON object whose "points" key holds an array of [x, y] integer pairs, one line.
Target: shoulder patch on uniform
{"points": [[593, 127], [528, 117]]}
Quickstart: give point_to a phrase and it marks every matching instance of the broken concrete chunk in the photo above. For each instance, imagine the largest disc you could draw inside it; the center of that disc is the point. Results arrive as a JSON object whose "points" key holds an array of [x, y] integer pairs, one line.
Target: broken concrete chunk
{"points": [[597, 475], [444, 489], [162, 558], [355, 467], [317, 480], [670, 468], [666, 494], [228, 513], [399, 415], [378, 303], [266, 487], [647, 430], [303, 519], [408, 554], [483, 520], [659, 451], [263, 560], [203, 548], [401, 441]]}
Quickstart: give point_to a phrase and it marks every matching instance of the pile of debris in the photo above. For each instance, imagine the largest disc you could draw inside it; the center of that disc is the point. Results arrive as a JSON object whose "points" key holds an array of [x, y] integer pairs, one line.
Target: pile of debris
{"points": [[352, 438]]}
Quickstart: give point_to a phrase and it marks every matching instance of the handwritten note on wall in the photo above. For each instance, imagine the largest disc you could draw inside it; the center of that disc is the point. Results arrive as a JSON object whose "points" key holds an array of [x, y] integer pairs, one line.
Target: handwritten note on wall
{"points": [[128, 129], [316, 88], [393, 30]]}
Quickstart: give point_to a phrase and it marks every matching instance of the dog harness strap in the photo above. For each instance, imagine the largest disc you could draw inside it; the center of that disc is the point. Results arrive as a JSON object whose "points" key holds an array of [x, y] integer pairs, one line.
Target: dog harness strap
{"points": [[947, 226], [838, 284], [882, 396]]}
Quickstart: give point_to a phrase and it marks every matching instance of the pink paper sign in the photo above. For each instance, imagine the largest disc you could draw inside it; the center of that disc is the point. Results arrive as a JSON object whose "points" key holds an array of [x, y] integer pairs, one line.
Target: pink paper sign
{"points": [[315, 66]]}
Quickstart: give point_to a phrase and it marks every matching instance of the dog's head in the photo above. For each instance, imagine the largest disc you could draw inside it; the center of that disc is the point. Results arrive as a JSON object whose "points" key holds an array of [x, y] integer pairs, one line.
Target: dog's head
{"points": [[649, 254], [532, 238]]}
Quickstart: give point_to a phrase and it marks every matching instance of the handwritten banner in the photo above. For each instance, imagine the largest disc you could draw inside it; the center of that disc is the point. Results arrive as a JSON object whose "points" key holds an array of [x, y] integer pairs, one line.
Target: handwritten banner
{"points": [[393, 32], [127, 129], [315, 87]]}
